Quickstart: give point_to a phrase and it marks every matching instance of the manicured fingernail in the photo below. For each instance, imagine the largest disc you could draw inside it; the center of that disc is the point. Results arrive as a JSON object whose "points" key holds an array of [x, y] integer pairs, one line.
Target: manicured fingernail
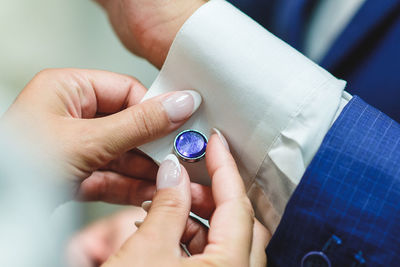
{"points": [[169, 173], [138, 223], [221, 137], [180, 105], [146, 205]]}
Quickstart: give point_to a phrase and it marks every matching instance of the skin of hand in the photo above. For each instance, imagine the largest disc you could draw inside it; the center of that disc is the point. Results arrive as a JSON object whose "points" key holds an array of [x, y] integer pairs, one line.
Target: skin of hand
{"points": [[93, 245], [235, 237], [90, 123], [148, 28]]}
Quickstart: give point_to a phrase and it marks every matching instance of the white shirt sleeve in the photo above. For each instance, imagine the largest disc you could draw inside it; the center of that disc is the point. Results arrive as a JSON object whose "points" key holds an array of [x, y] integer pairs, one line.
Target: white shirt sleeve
{"points": [[272, 103]]}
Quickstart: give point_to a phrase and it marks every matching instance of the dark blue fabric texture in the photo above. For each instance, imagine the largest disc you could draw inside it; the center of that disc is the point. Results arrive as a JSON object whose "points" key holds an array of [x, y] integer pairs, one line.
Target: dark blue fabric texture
{"points": [[352, 187], [352, 190], [366, 54]]}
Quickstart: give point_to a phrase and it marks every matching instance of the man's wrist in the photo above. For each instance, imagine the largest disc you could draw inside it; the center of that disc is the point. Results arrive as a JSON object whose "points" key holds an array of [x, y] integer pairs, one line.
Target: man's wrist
{"points": [[156, 41]]}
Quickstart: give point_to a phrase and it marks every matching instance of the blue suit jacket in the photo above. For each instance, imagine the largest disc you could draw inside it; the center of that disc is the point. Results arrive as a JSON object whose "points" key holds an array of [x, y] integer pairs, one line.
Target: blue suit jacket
{"points": [[351, 190], [366, 54]]}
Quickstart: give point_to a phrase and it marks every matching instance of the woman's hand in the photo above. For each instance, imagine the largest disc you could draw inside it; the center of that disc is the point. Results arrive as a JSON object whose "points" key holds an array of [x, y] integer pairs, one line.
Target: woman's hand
{"points": [[147, 28], [235, 237], [95, 243], [91, 122]]}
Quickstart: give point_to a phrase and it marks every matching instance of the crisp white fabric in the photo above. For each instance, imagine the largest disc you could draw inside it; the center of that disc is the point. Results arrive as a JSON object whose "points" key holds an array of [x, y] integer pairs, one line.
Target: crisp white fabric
{"points": [[328, 21], [272, 103]]}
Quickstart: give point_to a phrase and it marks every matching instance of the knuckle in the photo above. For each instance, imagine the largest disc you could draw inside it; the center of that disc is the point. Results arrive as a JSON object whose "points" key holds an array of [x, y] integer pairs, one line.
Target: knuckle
{"points": [[220, 257], [85, 152], [169, 203], [53, 74], [147, 121], [212, 262], [45, 73], [247, 207], [49, 73]]}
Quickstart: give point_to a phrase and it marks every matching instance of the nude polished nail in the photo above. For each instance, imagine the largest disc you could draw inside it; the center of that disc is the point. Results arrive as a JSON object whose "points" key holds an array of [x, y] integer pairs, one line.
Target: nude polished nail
{"points": [[169, 173], [180, 105], [221, 137], [138, 223], [146, 205]]}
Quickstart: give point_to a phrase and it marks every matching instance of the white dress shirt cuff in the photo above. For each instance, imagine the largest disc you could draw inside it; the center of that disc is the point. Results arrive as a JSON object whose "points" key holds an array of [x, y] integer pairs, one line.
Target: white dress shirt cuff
{"points": [[273, 104]]}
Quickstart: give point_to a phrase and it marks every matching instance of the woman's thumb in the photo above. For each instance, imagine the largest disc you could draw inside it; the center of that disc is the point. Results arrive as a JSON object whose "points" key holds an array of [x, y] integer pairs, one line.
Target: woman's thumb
{"points": [[170, 208]]}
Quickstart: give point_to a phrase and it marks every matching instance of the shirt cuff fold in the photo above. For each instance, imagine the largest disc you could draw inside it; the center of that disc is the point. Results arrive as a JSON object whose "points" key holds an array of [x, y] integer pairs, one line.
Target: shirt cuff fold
{"points": [[272, 103]]}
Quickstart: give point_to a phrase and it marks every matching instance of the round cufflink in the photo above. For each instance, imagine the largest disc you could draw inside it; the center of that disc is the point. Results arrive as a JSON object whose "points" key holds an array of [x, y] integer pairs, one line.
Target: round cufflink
{"points": [[190, 145]]}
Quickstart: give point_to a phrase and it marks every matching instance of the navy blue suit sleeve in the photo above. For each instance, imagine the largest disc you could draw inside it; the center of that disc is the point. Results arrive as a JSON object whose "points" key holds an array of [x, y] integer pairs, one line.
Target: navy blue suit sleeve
{"points": [[351, 190], [262, 11]]}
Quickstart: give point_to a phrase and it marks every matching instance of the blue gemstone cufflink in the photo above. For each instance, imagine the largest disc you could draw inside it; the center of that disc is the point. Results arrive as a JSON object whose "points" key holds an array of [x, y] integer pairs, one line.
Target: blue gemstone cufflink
{"points": [[190, 145]]}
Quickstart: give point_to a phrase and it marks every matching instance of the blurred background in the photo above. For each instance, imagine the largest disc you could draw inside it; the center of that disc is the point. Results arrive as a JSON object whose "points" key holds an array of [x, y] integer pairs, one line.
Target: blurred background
{"points": [[56, 34]]}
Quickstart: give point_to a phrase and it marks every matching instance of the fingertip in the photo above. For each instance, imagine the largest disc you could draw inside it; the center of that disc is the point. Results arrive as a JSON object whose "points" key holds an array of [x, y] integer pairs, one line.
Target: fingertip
{"points": [[173, 158], [227, 182], [137, 93], [146, 205], [186, 182], [180, 105], [217, 153], [197, 99], [169, 173], [221, 138]]}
